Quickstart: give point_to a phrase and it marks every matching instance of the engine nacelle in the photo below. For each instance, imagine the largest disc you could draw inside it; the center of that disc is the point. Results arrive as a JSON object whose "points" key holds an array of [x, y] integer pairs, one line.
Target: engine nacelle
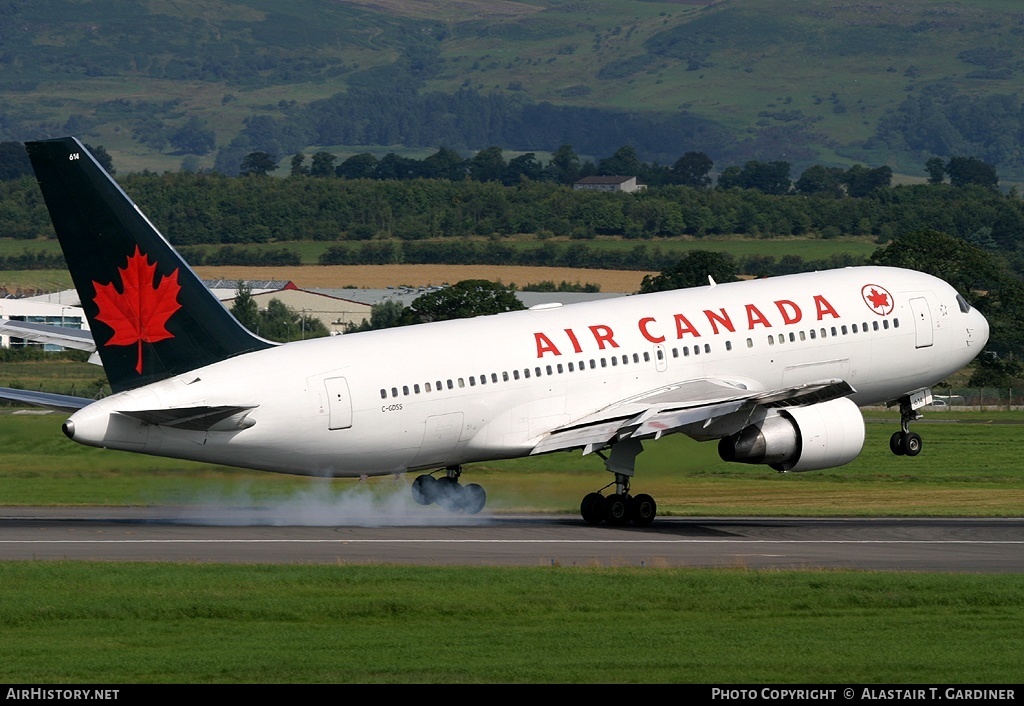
{"points": [[809, 438]]}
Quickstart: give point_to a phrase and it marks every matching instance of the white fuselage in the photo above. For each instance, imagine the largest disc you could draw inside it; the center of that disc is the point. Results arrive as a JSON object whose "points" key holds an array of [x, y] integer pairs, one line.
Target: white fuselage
{"points": [[453, 392]]}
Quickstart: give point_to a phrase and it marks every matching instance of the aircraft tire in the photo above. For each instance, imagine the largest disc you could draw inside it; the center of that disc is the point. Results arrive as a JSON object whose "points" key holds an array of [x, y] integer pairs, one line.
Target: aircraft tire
{"points": [[617, 511], [896, 443], [593, 508], [424, 489], [449, 494], [472, 499], [911, 444], [643, 510]]}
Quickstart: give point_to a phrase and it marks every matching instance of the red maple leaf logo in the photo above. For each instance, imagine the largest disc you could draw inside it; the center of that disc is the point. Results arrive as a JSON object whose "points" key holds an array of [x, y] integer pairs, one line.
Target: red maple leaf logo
{"points": [[139, 312], [878, 298]]}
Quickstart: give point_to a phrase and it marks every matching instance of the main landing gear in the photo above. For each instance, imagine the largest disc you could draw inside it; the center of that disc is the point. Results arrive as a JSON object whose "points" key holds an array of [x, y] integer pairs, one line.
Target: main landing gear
{"points": [[447, 492], [620, 508], [905, 442]]}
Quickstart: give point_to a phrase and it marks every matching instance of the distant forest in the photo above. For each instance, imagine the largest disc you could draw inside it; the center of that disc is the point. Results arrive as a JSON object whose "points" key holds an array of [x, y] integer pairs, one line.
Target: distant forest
{"points": [[472, 220]]}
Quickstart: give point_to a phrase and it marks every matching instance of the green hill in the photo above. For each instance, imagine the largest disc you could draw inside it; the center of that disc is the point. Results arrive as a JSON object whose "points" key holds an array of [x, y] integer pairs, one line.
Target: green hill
{"points": [[814, 82]]}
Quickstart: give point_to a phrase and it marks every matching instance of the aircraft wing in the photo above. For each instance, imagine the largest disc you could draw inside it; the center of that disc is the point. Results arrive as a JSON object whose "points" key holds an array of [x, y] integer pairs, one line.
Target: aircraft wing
{"points": [[50, 400], [44, 333], [668, 409]]}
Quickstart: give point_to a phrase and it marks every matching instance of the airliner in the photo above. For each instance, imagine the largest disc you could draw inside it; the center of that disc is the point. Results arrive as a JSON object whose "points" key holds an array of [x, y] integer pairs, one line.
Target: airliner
{"points": [[773, 370]]}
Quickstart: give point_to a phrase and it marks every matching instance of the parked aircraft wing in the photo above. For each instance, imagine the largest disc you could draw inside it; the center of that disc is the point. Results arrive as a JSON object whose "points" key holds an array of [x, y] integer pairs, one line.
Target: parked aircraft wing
{"points": [[45, 333], [63, 403]]}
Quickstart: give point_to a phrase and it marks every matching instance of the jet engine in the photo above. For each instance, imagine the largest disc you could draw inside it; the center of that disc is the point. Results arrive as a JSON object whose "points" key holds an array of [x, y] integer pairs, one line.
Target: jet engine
{"points": [[810, 438]]}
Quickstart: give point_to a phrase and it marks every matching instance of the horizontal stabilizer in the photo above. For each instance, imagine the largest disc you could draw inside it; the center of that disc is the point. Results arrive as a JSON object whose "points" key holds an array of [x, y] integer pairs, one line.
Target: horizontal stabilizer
{"points": [[205, 418], [50, 400]]}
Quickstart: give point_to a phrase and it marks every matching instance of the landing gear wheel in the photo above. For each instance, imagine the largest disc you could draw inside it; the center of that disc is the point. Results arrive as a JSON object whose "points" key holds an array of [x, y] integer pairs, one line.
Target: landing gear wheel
{"points": [[643, 510], [472, 499], [896, 443], [617, 511], [448, 494], [905, 443], [424, 489], [911, 444], [593, 508]]}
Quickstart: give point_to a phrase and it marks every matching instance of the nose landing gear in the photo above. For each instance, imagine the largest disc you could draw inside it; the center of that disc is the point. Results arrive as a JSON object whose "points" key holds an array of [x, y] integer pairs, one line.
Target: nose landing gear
{"points": [[906, 442]]}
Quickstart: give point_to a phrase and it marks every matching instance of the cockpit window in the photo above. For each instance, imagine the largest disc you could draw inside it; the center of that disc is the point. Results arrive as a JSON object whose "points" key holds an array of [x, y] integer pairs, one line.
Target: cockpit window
{"points": [[964, 306]]}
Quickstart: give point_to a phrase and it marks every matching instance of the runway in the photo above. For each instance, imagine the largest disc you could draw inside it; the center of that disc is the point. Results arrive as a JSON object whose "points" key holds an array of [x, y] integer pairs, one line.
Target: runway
{"points": [[168, 534]]}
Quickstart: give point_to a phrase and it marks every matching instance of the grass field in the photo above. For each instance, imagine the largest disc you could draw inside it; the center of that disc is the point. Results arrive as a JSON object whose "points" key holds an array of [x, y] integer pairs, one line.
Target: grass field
{"points": [[149, 623]]}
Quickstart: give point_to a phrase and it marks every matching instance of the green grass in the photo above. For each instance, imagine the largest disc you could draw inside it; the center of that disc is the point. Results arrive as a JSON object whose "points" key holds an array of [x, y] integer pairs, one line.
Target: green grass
{"points": [[148, 623]]}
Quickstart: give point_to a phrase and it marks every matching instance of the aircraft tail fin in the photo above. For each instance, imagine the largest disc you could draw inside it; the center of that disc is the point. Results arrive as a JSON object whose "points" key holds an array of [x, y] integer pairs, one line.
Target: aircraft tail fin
{"points": [[151, 315]]}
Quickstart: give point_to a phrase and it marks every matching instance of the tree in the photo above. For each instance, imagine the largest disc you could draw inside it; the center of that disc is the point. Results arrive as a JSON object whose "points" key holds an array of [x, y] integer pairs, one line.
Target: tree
{"points": [[193, 138], [564, 166], [257, 164], [524, 166], [465, 299], [824, 181], [623, 163], [244, 307], [964, 266], [692, 169], [394, 166], [323, 165], [936, 169], [487, 165], [970, 170], [693, 270], [299, 169], [388, 314], [766, 177], [444, 164], [861, 181], [358, 166], [14, 161], [103, 157], [278, 322]]}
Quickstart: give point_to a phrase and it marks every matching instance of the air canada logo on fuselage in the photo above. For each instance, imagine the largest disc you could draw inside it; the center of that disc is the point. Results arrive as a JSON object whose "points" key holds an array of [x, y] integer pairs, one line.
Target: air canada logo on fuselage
{"points": [[878, 299], [783, 312], [138, 313]]}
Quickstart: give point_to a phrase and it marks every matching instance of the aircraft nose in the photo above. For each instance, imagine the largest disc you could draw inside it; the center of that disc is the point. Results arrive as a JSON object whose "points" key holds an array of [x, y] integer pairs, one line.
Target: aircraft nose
{"points": [[977, 329]]}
